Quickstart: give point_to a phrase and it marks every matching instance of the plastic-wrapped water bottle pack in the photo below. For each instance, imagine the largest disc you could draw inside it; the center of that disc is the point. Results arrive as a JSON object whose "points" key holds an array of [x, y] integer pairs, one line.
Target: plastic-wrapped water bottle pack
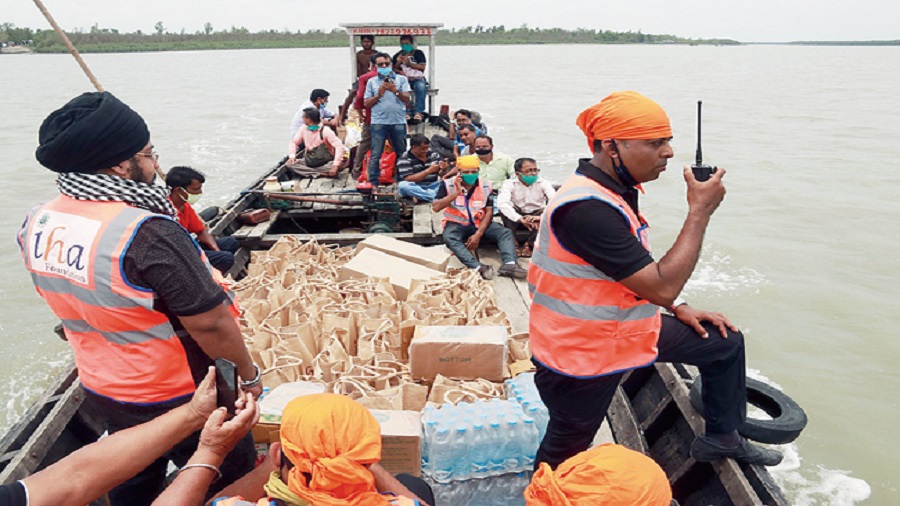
{"points": [[522, 390], [505, 490], [477, 440]]}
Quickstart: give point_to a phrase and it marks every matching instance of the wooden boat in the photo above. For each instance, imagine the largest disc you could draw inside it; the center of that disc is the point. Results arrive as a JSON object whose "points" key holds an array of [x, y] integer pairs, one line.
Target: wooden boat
{"points": [[651, 411]]}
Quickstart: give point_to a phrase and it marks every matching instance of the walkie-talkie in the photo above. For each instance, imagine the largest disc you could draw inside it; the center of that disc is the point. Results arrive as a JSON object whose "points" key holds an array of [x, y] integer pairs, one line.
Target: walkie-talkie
{"points": [[701, 172]]}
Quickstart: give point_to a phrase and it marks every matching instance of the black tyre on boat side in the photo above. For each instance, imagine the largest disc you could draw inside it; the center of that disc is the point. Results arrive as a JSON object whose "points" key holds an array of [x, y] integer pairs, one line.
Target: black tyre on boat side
{"points": [[788, 418]]}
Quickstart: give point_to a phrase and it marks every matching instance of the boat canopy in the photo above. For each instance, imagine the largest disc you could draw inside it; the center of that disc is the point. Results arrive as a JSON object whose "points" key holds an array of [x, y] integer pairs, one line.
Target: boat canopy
{"points": [[417, 30]]}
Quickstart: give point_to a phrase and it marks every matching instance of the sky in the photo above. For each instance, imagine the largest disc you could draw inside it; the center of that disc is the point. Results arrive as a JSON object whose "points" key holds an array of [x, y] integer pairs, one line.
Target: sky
{"points": [[745, 21]]}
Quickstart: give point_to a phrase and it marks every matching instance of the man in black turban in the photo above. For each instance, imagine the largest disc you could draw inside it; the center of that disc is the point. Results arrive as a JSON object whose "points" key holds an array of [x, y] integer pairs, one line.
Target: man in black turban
{"points": [[139, 302]]}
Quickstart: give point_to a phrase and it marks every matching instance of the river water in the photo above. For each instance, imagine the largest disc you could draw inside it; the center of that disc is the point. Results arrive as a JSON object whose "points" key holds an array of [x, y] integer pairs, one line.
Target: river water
{"points": [[800, 254]]}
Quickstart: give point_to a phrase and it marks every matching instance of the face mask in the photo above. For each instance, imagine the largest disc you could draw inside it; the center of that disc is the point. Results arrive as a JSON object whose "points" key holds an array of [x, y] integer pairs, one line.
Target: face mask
{"points": [[529, 180], [384, 71], [484, 151], [470, 178], [406, 47], [324, 105], [192, 198], [312, 128]]}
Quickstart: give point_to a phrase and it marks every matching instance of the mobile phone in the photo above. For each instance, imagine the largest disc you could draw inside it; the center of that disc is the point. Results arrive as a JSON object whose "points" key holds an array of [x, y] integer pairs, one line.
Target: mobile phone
{"points": [[228, 389]]}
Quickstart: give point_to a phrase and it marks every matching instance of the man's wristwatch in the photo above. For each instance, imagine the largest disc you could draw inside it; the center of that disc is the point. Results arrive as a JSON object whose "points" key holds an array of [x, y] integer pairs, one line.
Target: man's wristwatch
{"points": [[255, 381]]}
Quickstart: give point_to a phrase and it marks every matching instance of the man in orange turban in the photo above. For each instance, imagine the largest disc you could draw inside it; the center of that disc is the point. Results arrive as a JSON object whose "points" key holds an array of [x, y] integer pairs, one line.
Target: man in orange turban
{"points": [[608, 474], [597, 291], [328, 456]]}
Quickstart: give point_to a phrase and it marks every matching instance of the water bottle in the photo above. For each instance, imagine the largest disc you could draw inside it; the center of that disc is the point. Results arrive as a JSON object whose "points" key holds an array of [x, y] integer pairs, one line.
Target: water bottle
{"points": [[441, 458], [530, 443], [428, 430], [495, 454], [512, 447], [479, 451], [459, 449]]}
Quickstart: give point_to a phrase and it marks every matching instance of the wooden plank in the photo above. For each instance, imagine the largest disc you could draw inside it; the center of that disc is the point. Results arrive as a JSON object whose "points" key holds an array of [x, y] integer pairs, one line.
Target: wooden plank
{"points": [[260, 229], [33, 451], [340, 239], [623, 423], [509, 300]]}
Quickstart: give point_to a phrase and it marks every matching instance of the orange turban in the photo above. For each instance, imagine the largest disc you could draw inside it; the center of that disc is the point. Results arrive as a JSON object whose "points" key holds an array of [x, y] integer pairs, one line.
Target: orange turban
{"points": [[609, 474], [331, 437], [468, 162], [624, 115]]}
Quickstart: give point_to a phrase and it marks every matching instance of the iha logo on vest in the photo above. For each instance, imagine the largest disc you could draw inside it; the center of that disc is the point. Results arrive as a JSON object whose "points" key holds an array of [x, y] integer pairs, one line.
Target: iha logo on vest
{"points": [[58, 246]]}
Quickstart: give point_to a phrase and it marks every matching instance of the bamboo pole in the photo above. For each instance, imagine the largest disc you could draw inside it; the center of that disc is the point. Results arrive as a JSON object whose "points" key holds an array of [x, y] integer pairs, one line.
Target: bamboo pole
{"points": [[68, 43], [81, 62]]}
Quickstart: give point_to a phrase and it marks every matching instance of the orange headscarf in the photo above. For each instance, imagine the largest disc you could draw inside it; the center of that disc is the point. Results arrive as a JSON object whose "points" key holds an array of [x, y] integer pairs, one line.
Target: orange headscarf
{"points": [[330, 437], [624, 115], [608, 474]]}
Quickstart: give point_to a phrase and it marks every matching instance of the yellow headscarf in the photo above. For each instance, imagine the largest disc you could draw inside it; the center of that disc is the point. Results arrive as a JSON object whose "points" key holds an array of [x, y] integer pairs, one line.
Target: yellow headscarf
{"points": [[624, 115], [609, 474], [468, 162], [331, 437]]}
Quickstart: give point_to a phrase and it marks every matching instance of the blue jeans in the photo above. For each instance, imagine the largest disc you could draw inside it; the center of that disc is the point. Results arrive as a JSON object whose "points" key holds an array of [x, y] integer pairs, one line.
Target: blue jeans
{"points": [[420, 91], [223, 259], [422, 191], [380, 133], [455, 236]]}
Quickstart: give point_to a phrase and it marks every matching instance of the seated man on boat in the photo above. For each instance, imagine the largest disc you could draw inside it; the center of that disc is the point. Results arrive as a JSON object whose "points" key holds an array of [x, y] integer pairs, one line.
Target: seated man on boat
{"points": [[328, 455], [90, 472], [597, 291], [421, 170], [185, 189], [495, 166], [463, 117], [609, 474], [318, 99], [387, 95], [320, 145], [410, 62], [467, 135], [468, 207], [140, 305], [522, 201]]}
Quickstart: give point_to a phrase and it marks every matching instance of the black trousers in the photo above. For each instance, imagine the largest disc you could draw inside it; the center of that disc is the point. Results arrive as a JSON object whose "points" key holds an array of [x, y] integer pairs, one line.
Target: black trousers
{"points": [[578, 406], [417, 486], [148, 484]]}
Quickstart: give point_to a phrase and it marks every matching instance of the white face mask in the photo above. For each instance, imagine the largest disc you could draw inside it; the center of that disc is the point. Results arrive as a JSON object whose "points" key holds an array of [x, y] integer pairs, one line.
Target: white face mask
{"points": [[191, 198]]}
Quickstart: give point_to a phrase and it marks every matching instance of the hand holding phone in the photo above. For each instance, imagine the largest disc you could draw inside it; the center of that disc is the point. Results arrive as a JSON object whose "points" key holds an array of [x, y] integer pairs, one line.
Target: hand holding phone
{"points": [[228, 387]]}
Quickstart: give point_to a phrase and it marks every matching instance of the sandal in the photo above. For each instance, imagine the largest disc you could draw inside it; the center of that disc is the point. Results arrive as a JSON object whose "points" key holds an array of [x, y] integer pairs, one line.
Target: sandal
{"points": [[526, 252], [418, 117]]}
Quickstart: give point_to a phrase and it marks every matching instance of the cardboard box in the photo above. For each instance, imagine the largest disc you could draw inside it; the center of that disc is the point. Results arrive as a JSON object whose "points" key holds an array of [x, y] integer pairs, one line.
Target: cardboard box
{"points": [[433, 258], [464, 352], [371, 262], [401, 441]]}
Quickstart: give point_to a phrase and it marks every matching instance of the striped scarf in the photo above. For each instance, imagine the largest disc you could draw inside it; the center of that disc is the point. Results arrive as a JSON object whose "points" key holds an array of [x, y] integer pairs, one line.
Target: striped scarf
{"points": [[105, 188]]}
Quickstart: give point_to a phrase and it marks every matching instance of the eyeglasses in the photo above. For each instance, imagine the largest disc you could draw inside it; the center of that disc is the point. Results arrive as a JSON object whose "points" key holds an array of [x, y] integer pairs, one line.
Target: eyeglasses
{"points": [[153, 154]]}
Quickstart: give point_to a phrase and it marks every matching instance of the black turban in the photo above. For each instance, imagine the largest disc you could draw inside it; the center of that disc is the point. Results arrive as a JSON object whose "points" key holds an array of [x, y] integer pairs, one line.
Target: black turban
{"points": [[92, 132]]}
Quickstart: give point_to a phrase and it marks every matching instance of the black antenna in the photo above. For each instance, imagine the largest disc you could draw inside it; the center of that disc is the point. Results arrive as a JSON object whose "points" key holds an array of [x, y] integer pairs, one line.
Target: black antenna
{"points": [[699, 150]]}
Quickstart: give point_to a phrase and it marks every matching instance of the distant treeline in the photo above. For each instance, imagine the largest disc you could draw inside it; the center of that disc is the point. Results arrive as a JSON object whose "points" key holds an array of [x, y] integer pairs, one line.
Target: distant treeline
{"points": [[109, 40], [847, 43]]}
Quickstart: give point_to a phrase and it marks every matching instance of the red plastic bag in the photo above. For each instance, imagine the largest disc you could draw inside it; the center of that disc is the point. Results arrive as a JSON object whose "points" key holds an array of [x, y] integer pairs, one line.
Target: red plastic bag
{"points": [[386, 165]]}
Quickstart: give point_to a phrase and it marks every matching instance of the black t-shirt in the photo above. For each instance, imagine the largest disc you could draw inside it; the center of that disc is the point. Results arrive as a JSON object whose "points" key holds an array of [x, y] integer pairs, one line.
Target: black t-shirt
{"points": [[417, 56], [164, 258], [598, 233], [13, 495]]}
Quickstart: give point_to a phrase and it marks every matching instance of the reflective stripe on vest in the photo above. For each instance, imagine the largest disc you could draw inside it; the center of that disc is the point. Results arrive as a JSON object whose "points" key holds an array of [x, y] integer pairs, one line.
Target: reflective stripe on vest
{"points": [[124, 348], [582, 322], [458, 210]]}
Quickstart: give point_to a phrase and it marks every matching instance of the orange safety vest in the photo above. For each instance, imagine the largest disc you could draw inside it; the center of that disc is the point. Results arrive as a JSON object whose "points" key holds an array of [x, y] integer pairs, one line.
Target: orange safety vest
{"points": [[465, 209], [394, 500], [582, 322], [124, 348]]}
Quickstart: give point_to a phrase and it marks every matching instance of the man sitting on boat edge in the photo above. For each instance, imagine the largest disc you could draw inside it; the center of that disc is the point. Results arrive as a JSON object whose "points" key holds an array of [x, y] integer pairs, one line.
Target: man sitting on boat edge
{"points": [[143, 310], [185, 189], [468, 208], [597, 291], [421, 170]]}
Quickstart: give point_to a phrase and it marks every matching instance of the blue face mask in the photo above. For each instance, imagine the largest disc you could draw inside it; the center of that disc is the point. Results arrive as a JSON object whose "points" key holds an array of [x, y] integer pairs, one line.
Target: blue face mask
{"points": [[384, 71], [312, 128]]}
